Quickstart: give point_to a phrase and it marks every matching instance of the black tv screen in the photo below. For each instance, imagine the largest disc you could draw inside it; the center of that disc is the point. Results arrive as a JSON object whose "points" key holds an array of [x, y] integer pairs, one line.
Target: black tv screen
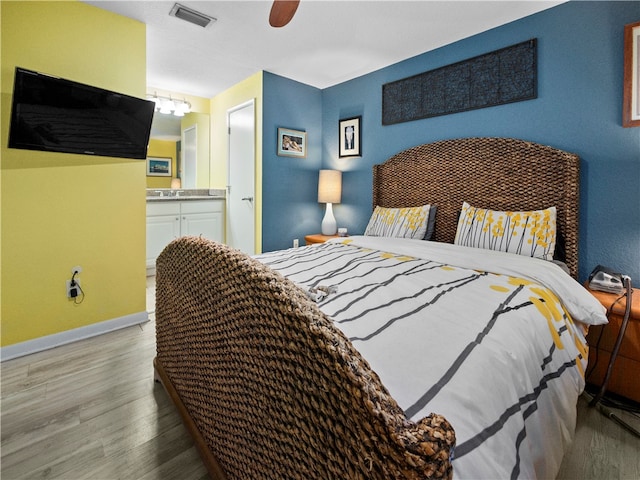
{"points": [[58, 115]]}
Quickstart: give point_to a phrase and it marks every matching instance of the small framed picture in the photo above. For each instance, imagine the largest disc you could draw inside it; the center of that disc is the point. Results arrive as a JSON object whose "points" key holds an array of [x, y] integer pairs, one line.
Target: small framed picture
{"points": [[349, 137], [158, 167], [292, 143]]}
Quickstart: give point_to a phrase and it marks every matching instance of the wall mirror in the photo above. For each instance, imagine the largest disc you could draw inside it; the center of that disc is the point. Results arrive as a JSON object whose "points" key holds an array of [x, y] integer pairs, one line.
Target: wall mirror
{"points": [[168, 139]]}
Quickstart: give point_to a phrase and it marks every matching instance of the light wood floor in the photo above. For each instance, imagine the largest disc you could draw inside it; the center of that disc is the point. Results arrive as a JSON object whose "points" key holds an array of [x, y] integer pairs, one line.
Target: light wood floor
{"points": [[90, 410]]}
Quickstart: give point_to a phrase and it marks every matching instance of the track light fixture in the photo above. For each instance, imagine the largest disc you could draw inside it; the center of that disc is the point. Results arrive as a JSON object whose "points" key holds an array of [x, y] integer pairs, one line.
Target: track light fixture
{"points": [[168, 105]]}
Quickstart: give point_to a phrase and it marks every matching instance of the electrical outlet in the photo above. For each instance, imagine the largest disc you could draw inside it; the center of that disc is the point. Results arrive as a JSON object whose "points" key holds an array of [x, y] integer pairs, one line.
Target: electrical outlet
{"points": [[73, 291], [296, 243]]}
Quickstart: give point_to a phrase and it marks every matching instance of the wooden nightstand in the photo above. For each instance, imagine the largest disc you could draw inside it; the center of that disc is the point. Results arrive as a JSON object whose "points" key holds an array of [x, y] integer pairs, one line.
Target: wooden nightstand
{"points": [[625, 376], [318, 238]]}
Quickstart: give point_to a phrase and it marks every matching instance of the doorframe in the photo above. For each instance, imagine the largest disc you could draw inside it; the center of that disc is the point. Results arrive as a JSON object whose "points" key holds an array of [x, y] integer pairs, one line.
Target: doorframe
{"points": [[257, 194]]}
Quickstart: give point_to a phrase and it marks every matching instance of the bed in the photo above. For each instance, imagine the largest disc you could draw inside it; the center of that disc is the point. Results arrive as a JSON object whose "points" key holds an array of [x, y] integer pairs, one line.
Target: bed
{"points": [[381, 357]]}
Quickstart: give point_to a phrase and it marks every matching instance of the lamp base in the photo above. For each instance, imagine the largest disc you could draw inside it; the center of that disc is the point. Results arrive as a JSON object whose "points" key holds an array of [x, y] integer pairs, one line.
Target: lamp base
{"points": [[329, 225]]}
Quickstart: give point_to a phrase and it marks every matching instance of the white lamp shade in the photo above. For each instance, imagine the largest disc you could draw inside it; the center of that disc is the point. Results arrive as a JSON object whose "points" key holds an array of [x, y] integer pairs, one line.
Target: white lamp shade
{"points": [[329, 186], [183, 107], [167, 106]]}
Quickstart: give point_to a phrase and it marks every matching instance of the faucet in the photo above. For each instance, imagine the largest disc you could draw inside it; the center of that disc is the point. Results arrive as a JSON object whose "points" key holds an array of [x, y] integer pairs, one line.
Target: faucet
{"points": [[160, 192]]}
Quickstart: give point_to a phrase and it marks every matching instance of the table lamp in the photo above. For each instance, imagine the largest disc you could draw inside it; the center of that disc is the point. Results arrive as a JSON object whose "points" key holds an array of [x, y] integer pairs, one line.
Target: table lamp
{"points": [[329, 192]]}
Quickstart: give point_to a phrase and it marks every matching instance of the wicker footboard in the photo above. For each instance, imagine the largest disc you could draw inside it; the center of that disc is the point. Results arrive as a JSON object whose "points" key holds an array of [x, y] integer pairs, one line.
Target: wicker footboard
{"points": [[272, 388]]}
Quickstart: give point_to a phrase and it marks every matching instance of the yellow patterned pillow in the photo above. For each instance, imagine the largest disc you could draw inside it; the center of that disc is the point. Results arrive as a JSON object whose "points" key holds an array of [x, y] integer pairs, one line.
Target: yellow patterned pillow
{"points": [[532, 234], [408, 222]]}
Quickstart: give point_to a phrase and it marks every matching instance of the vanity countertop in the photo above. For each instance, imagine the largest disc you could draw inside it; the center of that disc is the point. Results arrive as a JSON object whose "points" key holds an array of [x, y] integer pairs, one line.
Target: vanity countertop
{"points": [[168, 195]]}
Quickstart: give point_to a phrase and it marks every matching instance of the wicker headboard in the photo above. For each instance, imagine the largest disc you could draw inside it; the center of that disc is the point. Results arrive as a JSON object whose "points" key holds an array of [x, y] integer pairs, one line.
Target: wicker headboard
{"points": [[495, 173]]}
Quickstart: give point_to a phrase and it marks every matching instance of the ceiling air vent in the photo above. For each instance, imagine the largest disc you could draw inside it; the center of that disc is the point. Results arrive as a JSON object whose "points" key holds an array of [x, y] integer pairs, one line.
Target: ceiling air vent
{"points": [[191, 16]]}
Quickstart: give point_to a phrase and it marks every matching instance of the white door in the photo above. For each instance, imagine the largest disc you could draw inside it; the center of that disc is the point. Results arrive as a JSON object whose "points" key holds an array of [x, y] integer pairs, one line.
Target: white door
{"points": [[189, 156], [241, 186]]}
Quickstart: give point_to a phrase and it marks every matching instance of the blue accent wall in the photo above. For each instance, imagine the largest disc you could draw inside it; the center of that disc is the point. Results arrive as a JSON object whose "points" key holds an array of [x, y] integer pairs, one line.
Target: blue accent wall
{"points": [[290, 185], [578, 109]]}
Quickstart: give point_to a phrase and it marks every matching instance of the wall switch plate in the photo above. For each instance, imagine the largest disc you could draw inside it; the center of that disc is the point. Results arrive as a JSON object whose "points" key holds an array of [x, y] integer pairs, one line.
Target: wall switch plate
{"points": [[296, 243]]}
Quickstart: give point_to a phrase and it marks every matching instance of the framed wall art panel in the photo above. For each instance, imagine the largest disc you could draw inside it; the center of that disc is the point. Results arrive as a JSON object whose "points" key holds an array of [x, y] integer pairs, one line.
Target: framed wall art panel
{"points": [[631, 95], [496, 78], [349, 137], [158, 166], [292, 143]]}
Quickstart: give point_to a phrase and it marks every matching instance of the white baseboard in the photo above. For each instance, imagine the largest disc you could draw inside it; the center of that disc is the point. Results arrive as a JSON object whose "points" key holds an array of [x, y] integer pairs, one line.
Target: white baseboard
{"points": [[57, 339]]}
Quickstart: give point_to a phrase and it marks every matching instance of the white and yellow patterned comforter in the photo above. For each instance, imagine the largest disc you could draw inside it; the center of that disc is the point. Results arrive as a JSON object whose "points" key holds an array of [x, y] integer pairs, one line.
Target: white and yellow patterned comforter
{"points": [[477, 336]]}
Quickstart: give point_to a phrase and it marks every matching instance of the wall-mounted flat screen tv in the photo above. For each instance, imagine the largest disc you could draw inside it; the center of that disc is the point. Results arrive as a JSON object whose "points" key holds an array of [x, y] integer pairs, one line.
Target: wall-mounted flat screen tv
{"points": [[57, 115]]}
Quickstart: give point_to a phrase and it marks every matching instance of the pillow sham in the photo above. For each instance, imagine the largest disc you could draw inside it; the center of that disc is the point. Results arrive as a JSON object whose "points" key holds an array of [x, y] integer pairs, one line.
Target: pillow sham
{"points": [[408, 222], [532, 234], [431, 222]]}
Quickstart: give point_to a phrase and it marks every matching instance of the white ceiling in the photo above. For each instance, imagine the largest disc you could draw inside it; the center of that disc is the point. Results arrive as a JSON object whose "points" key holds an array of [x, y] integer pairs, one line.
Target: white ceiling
{"points": [[326, 43]]}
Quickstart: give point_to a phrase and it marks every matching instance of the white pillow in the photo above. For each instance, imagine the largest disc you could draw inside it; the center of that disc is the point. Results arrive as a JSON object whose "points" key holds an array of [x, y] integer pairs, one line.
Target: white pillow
{"points": [[408, 222], [532, 234]]}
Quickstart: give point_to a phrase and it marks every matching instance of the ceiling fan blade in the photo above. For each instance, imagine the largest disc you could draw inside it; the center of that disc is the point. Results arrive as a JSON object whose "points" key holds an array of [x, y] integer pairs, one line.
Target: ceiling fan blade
{"points": [[282, 11]]}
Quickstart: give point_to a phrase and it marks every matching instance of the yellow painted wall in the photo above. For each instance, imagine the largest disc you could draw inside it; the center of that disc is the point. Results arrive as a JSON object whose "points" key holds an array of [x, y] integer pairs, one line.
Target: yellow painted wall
{"points": [[249, 89], [60, 210], [164, 149]]}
